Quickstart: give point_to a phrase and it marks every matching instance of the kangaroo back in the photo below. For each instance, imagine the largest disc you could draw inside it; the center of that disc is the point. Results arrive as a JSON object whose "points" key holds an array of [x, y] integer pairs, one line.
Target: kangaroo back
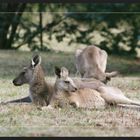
{"points": [[87, 98], [91, 63]]}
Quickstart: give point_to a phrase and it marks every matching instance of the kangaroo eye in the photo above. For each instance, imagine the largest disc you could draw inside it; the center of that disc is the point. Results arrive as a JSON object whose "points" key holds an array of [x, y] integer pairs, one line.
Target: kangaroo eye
{"points": [[67, 82]]}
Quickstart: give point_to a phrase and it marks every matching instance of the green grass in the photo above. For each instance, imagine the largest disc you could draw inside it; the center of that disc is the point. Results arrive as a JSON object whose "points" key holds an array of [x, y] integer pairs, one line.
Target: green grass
{"points": [[12, 62], [27, 120]]}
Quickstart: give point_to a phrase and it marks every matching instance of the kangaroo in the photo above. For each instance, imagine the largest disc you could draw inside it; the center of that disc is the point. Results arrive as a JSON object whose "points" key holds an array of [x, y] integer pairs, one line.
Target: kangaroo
{"points": [[113, 95], [80, 98], [91, 63], [40, 91], [87, 96]]}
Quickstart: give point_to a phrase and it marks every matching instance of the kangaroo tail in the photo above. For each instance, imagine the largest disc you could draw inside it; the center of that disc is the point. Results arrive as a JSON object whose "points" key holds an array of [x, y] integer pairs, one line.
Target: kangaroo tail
{"points": [[21, 100], [128, 101], [126, 106], [135, 103]]}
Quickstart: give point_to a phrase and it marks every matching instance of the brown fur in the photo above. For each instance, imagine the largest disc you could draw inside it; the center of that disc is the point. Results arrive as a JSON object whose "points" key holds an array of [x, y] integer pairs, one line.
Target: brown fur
{"points": [[91, 63], [86, 96], [40, 90], [87, 83], [66, 91], [81, 98]]}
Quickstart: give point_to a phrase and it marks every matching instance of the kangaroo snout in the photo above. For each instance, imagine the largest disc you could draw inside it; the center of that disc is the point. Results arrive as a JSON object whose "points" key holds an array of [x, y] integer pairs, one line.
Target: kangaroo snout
{"points": [[15, 82], [75, 89]]}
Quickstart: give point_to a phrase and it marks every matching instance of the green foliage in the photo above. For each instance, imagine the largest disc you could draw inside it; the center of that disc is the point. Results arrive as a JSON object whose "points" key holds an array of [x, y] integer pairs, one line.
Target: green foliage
{"points": [[40, 23], [10, 18], [12, 62]]}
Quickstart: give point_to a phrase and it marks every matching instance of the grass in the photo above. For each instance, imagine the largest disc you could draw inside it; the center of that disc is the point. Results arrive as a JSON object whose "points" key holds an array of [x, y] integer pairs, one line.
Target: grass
{"points": [[12, 62], [27, 120]]}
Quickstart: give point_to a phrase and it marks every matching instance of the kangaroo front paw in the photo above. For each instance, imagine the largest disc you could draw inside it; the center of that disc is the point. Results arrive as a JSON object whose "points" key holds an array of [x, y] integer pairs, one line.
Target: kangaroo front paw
{"points": [[75, 105], [47, 107]]}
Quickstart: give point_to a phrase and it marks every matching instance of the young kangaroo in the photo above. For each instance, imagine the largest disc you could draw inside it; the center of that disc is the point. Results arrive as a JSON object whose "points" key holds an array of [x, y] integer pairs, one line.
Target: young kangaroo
{"points": [[86, 96], [39, 90], [83, 98]]}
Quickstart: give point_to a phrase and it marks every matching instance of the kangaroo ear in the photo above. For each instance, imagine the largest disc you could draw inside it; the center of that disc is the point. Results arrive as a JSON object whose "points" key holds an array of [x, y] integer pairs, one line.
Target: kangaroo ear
{"points": [[36, 60], [57, 71], [64, 72]]}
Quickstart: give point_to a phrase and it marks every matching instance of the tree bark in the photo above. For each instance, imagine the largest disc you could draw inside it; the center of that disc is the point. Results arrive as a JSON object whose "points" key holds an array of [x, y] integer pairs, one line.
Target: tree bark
{"points": [[40, 25], [14, 24], [7, 17]]}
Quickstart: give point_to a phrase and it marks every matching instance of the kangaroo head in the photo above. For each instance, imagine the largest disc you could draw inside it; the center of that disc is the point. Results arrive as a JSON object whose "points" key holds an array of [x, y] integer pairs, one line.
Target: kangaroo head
{"points": [[63, 81], [26, 75]]}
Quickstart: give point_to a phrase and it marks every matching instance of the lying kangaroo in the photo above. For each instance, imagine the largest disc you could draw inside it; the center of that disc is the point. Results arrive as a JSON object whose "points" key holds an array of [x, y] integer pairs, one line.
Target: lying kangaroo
{"points": [[40, 91], [86, 96], [91, 63], [83, 98]]}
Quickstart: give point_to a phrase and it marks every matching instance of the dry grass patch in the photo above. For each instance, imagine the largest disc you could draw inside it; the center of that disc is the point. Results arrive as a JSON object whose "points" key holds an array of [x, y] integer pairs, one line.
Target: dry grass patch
{"points": [[27, 120]]}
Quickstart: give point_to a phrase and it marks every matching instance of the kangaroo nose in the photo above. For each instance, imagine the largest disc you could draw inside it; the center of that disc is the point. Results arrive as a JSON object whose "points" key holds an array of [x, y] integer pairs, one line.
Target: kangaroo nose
{"points": [[75, 88], [14, 81]]}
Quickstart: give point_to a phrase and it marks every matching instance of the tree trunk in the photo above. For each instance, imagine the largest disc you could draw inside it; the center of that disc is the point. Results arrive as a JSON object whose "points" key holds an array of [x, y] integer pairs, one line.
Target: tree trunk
{"points": [[14, 24], [6, 22], [40, 26], [134, 41]]}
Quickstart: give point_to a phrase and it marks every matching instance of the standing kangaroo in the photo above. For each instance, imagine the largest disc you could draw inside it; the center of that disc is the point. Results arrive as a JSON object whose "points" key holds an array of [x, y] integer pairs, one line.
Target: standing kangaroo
{"points": [[40, 91], [86, 96], [91, 63]]}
